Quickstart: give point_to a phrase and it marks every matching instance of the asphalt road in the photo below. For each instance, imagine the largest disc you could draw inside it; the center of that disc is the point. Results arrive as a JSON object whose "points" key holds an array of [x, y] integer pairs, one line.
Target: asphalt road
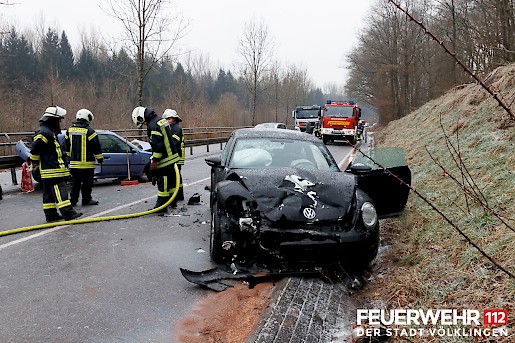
{"points": [[113, 281]]}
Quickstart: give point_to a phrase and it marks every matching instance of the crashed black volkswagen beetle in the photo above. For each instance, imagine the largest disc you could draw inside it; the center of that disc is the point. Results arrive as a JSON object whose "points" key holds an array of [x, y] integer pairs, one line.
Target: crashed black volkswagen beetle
{"points": [[280, 194]]}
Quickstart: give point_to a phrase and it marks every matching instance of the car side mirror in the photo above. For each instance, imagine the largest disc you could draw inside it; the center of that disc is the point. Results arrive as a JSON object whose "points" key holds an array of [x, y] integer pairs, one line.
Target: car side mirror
{"points": [[214, 161], [359, 168]]}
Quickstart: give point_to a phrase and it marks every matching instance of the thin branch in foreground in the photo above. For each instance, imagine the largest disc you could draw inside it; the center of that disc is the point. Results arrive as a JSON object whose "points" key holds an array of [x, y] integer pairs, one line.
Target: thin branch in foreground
{"points": [[437, 210], [468, 192], [465, 174]]}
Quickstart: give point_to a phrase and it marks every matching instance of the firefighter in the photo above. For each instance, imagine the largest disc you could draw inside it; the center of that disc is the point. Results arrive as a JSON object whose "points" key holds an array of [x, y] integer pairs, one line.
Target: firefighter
{"points": [[318, 130], [165, 153], [309, 128], [360, 129], [47, 155], [83, 148], [173, 118]]}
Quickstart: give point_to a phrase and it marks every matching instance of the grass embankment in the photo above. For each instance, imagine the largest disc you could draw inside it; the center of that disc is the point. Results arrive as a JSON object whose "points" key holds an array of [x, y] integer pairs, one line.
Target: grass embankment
{"points": [[429, 264]]}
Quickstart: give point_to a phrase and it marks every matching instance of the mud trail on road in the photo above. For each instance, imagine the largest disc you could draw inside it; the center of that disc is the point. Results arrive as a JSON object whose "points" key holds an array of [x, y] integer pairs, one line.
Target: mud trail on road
{"points": [[228, 316]]}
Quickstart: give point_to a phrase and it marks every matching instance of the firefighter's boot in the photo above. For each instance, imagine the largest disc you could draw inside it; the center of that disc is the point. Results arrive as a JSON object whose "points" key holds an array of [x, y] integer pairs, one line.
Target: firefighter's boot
{"points": [[52, 216], [161, 201]]}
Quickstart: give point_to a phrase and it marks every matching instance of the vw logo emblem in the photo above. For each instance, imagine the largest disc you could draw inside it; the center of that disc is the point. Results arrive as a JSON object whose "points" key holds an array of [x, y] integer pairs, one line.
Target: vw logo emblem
{"points": [[309, 213]]}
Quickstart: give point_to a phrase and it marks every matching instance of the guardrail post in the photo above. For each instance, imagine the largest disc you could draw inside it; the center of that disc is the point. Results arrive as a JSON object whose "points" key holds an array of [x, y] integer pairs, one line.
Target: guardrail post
{"points": [[13, 176]]}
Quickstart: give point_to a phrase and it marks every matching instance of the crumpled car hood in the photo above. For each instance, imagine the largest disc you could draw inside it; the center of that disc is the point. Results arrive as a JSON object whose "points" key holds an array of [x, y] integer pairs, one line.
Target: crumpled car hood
{"points": [[284, 194]]}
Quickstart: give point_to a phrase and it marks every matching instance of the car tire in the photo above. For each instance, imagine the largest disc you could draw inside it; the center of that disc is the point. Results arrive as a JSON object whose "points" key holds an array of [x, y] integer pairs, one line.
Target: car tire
{"points": [[215, 239]]}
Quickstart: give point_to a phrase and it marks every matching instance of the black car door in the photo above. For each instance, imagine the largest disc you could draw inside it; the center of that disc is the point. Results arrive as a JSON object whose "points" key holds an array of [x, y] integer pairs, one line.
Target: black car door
{"points": [[383, 176]]}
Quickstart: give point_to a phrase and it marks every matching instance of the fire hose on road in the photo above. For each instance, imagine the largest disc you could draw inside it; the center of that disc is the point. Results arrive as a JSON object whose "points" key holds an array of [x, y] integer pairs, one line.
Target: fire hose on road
{"points": [[99, 219]]}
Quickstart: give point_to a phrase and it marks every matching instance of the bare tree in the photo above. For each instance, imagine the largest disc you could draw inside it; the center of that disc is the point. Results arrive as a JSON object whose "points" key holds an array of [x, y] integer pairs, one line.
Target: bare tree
{"points": [[256, 47], [151, 32]]}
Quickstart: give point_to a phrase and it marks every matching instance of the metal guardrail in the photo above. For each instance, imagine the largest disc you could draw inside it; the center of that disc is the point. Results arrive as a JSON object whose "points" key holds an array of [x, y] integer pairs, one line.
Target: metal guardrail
{"points": [[196, 136]]}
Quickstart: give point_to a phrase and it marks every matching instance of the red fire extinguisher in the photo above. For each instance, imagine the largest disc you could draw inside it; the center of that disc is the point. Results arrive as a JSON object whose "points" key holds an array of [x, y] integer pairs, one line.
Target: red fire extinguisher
{"points": [[26, 178]]}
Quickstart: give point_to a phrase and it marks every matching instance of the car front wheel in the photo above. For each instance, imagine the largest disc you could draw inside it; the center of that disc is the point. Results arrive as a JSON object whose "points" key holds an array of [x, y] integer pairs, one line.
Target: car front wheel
{"points": [[215, 241]]}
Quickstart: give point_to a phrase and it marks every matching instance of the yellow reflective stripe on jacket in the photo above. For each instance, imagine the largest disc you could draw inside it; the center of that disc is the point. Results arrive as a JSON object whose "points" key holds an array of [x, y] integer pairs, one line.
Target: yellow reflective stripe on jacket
{"points": [[157, 133], [34, 157], [59, 153], [40, 136], [82, 165], [79, 130], [171, 158], [99, 156], [51, 173], [62, 171], [82, 133], [92, 136]]}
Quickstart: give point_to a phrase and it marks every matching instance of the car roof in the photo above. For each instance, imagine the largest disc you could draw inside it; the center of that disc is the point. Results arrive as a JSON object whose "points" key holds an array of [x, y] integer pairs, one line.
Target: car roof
{"points": [[274, 133], [105, 131]]}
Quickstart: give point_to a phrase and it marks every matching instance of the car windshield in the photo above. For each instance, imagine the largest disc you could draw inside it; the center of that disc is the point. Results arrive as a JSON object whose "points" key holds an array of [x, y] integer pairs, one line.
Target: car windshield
{"points": [[306, 114], [263, 153], [339, 111]]}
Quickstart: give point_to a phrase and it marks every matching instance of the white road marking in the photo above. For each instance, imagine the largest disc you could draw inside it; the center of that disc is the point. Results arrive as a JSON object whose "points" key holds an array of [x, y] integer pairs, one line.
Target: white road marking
{"points": [[39, 234], [347, 159]]}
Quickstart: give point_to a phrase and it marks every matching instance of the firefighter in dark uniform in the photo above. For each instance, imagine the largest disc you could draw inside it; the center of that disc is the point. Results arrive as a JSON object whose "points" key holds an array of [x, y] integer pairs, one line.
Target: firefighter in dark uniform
{"points": [[83, 148], [165, 153], [174, 120], [47, 155]]}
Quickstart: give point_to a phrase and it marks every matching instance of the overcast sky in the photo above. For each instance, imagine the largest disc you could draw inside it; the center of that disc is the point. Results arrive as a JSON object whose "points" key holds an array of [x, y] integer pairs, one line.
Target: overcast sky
{"points": [[312, 34]]}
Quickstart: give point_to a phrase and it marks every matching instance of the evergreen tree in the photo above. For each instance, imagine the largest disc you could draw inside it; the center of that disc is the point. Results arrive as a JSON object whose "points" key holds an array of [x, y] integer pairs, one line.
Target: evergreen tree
{"points": [[19, 63], [88, 66], [121, 65], [50, 54], [66, 61]]}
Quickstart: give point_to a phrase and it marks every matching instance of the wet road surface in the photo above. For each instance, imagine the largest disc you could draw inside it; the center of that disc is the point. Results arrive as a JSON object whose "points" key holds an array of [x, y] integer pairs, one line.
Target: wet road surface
{"points": [[119, 281]]}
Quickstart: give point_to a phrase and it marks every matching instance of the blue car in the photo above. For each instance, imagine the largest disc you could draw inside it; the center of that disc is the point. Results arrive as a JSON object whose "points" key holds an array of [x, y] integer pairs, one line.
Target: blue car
{"points": [[120, 156]]}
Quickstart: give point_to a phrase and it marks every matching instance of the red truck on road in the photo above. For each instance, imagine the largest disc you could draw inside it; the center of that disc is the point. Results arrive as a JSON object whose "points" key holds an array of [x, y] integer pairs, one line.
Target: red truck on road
{"points": [[340, 121]]}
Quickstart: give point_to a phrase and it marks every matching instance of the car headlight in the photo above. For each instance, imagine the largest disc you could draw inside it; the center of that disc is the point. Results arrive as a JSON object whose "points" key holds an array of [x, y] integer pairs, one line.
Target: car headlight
{"points": [[369, 215]]}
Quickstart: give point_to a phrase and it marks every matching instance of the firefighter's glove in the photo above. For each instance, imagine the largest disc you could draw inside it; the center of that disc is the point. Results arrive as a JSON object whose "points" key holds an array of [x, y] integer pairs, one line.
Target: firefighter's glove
{"points": [[34, 164], [153, 166], [154, 180]]}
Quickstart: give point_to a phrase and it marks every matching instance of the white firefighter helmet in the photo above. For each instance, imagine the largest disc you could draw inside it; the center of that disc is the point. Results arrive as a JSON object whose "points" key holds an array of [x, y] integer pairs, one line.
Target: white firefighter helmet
{"points": [[55, 111], [84, 114], [168, 113], [138, 116]]}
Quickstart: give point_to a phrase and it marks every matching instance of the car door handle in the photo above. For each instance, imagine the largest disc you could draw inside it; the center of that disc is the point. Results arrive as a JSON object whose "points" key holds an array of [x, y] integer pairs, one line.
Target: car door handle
{"points": [[107, 158]]}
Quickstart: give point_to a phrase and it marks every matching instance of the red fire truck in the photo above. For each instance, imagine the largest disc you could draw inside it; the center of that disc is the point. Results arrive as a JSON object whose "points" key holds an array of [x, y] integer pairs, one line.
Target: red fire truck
{"points": [[340, 121]]}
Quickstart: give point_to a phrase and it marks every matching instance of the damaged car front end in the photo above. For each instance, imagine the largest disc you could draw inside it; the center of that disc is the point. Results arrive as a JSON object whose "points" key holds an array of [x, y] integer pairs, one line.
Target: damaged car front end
{"points": [[297, 219], [279, 196]]}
